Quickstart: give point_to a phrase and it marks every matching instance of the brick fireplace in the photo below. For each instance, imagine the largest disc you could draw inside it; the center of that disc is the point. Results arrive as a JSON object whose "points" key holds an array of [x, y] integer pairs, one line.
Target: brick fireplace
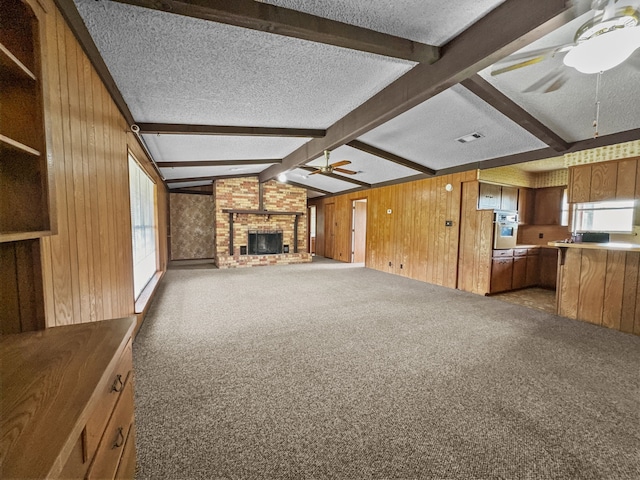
{"points": [[246, 210]]}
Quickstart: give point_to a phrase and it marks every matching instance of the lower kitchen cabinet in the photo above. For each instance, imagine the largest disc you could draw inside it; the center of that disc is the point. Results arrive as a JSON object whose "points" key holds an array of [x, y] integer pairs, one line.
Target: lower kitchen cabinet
{"points": [[548, 267], [501, 274], [532, 278], [518, 280]]}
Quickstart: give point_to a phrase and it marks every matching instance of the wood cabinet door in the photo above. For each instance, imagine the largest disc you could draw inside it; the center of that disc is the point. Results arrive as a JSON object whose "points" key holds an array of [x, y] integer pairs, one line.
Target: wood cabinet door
{"points": [[489, 196], [533, 271], [548, 206], [519, 277], [509, 199], [548, 268], [626, 181], [604, 178], [579, 184], [501, 273]]}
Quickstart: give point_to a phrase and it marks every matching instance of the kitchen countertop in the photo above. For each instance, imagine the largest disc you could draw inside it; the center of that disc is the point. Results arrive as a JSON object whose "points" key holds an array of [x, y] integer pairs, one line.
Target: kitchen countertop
{"points": [[625, 247]]}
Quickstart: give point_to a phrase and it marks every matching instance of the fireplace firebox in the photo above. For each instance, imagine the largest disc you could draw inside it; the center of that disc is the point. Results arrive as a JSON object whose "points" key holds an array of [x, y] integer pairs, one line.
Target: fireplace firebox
{"points": [[264, 242]]}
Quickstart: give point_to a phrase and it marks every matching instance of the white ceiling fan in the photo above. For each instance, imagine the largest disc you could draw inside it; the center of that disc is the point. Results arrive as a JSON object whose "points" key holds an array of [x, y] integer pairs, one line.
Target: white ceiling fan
{"points": [[603, 42]]}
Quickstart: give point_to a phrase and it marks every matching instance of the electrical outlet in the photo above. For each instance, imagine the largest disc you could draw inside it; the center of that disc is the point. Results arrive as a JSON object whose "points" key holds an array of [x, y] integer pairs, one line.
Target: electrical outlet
{"points": [[389, 263], [401, 266], [541, 235], [448, 223]]}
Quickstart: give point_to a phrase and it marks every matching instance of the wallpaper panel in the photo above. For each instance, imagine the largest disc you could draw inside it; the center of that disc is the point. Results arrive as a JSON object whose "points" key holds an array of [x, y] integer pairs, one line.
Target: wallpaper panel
{"points": [[192, 226]]}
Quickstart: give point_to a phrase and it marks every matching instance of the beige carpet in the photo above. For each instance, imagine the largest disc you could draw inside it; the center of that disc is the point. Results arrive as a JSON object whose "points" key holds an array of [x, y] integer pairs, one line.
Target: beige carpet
{"points": [[328, 371]]}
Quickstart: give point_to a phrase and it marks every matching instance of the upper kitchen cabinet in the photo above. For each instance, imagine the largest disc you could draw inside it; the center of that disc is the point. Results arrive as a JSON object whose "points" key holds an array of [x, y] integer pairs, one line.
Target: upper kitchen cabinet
{"points": [[25, 200], [490, 196], [496, 197], [615, 180], [548, 206]]}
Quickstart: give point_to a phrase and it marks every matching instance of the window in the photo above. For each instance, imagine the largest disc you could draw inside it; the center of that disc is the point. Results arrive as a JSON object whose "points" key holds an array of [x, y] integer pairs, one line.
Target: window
{"points": [[564, 212], [143, 228], [613, 217]]}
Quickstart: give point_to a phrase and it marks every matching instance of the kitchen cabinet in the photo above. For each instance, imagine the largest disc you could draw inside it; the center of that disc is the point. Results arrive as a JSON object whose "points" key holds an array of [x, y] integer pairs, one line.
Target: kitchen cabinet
{"points": [[501, 274], [603, 181], [548, 206], [519, 276], [532, 277], [490, 196], [548, 267], [526, 204], [509, 199]]}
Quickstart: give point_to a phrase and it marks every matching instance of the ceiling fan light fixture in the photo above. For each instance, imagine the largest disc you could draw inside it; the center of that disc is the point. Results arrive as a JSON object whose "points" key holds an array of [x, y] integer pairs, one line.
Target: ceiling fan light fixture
{"points": [[282, 178], [605, 51]]}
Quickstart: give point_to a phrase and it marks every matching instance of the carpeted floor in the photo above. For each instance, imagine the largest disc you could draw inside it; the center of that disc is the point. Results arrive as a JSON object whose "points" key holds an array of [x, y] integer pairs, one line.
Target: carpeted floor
{"points": [[325, 370]]}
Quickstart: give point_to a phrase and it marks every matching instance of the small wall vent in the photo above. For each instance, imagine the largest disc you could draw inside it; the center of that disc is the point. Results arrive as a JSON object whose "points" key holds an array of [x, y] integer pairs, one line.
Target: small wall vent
{"points": [[470, 138]]}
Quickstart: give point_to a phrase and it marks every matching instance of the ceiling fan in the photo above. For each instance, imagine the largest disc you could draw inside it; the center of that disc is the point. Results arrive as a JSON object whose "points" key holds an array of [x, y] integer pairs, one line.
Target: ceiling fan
{"points": [[603, 42], [330, 168]]}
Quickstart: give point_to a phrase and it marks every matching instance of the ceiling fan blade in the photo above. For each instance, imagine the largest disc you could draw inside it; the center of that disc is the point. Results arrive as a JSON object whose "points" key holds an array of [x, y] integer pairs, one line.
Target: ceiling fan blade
{"points": [[340, 163], [315, 172], [557, 84], [528, 58], [344, 170], [540, 84]]}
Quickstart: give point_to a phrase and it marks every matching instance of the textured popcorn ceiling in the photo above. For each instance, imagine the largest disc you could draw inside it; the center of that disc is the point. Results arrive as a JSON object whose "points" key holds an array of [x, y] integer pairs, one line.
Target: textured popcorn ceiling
{"points": [[174, 69], [427, 133], [427, 21], [570, 110], [175, 148]]}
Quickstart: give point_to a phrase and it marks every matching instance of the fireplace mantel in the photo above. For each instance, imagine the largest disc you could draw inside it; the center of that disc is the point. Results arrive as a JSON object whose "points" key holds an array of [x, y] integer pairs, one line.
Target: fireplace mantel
{"points": [[232, 212]]}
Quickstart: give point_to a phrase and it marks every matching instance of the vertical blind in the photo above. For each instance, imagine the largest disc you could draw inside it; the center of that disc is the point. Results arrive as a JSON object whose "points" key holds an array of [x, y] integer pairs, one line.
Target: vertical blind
{"points": [[143, 227]]}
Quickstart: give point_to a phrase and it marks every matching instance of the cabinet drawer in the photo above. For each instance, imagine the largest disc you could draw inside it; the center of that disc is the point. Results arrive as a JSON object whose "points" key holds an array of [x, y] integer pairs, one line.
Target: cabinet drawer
{"points": [[520, 252], [503, 253], [127, 466], [107, 399], [107, 458]]}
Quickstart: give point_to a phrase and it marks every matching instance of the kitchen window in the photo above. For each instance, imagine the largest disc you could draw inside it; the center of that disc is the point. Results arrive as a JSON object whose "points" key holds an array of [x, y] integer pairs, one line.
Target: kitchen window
{"points": [[611, 216]]}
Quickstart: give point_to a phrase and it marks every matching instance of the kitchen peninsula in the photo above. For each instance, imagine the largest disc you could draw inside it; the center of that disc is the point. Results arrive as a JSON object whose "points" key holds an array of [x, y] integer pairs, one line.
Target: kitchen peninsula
{"points": [[600, 283]]}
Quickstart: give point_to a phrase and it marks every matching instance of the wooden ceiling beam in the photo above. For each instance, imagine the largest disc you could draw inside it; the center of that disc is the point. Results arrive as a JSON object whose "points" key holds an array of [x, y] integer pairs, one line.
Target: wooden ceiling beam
{"points": [[211, 178], [487, 92], [187, 129], [291, 23], [218, 163], [509, 27], [392, 157], [339, 177], [307, 187]]}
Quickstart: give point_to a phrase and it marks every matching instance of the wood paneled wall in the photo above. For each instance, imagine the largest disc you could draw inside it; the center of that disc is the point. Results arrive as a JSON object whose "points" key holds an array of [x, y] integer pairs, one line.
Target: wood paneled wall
{"points": [[601, 287], [412, 240], [87, 266]]}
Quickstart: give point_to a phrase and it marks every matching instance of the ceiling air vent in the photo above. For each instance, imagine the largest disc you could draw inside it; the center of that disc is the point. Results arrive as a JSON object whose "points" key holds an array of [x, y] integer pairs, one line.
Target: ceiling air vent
{"points": [[470, 138]]}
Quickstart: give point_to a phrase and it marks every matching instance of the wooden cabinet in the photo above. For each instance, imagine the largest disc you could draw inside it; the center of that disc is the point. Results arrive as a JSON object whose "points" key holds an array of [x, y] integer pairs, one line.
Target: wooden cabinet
{"points": [[509, 199], [25, 201], [490, 196], [548, 206], [82, 424], [526, 204], [532, 277], [548, 267], [501, 272], [604, 181], [518, 279]]}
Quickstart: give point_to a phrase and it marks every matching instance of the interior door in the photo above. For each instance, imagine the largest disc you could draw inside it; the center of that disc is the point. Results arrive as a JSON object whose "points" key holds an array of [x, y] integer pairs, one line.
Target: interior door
{"points": [[359, 232], [329, 229]]}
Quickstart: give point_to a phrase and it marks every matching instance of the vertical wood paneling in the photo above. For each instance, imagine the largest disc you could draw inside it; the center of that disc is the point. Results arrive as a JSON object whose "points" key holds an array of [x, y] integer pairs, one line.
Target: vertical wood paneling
{"points": [[613, 288], [570, 284], [87, 267], [592, 283], [630, 292]]}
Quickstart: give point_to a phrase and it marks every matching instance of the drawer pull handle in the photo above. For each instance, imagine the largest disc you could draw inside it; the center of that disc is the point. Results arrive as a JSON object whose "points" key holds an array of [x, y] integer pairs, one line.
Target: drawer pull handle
{"points": [[119, 439], [117, 384]]}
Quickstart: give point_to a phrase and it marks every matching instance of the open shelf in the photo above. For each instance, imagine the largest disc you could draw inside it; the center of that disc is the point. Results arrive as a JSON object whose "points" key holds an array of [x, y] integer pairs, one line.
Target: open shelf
{"points": [[10, 65]]}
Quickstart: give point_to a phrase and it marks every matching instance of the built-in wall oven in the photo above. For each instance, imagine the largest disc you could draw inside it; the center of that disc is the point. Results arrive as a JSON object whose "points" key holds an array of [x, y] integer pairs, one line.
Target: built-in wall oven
{"points": [[505, 230]]}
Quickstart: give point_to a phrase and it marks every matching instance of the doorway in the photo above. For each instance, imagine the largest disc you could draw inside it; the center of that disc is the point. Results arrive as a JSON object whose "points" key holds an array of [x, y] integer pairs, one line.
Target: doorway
{"points": [[312, 229], [359, 231], [329, 229]]}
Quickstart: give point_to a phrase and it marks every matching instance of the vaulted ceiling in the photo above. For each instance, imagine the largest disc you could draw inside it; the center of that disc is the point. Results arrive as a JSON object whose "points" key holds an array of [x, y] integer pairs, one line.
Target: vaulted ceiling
{"points": [[221, 88]]}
